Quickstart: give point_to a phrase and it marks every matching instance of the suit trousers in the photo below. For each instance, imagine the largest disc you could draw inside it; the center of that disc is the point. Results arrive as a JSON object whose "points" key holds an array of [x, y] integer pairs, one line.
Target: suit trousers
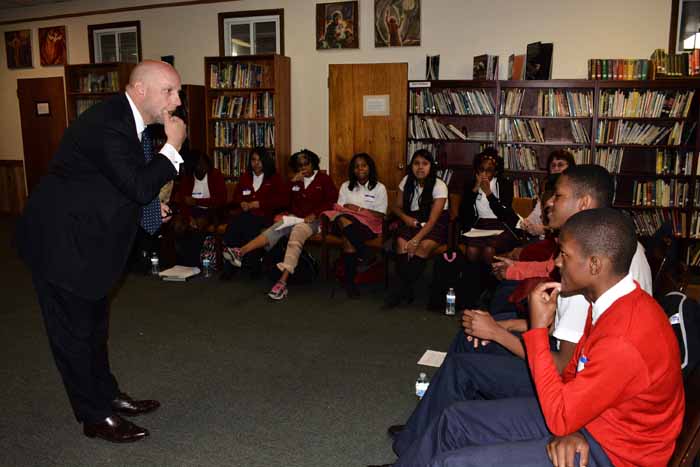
{"points": [[505, 433], [78, 330]]}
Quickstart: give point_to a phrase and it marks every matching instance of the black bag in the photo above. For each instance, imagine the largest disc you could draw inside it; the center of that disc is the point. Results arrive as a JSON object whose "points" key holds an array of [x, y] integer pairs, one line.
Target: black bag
{"points": [[684, 315], [305, 272]]}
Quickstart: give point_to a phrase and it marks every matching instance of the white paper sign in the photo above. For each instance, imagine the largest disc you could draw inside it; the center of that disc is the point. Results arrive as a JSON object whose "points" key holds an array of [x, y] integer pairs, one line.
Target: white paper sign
{"points": [[375, 106]]}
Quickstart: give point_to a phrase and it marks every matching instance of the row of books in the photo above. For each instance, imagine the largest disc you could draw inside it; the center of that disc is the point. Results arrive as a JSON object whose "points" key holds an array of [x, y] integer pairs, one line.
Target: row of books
{"points": [[695, 231], [526, 187], [579, 132], [244, 134], [550, 103], [618, 69], [610, 158], [515, 129], [518, 157], [662, 193], [669, 162], [231, 162], [254, 105], [445, 175], [81, 105], [452, 102], [649, 104], [675, 65], [235, 75], [98, 82], [414, 146], [430, 128], [485, 67], [692, 254], [622, 132], [648, 222]]}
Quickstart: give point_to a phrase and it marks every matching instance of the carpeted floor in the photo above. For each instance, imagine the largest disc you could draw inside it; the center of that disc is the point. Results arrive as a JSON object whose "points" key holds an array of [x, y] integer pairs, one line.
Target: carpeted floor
{"points": [[312, 381]]}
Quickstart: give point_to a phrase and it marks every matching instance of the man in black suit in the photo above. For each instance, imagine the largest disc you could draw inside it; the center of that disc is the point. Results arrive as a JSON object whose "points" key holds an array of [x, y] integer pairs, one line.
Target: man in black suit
{"points": [[78, 228]]}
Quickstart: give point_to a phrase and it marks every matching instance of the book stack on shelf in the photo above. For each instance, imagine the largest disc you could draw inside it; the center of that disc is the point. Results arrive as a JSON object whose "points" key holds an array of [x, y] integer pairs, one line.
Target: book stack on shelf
{"points": [[247, 106], [526, 187], [675, 65], [485, 67], [619, 69], [88, 84]]}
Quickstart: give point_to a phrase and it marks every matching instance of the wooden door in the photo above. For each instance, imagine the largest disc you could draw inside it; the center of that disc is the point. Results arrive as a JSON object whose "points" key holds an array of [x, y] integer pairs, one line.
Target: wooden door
{"points": [[42, 109], [350, 131]]}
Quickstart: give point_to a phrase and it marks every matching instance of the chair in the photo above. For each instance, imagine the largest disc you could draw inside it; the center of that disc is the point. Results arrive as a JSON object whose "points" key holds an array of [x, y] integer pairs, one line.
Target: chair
{"points": [[688, 442]]}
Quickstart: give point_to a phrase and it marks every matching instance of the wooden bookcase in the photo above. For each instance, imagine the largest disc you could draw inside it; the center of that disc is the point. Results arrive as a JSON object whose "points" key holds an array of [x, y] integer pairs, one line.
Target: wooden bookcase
{"points": [[91, 83], [649, 182], [247, 104]]}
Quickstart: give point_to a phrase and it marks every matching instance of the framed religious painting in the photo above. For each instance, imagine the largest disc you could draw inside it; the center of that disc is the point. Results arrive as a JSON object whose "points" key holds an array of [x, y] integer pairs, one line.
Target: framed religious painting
{"points": [[396, 23], [18, 45], [337, 26], [52, 46]]}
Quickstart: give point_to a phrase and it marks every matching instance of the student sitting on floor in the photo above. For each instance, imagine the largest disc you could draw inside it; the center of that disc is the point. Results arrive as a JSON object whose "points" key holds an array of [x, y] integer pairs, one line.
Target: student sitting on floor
{"points": [[312, 192], [620, 400], [498, 370], [486, 205], [358, 215], [261, 193], [421, 205]]}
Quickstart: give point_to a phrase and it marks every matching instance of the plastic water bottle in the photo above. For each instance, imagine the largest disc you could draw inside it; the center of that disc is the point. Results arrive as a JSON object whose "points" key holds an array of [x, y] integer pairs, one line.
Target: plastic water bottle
{"points": [[422, 384], [206, 267], [155, 264], [450, 301]]}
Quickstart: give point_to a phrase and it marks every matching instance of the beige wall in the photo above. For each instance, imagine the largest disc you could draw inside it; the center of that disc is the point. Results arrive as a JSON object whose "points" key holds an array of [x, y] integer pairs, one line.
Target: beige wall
{"points": [[455, 29]]}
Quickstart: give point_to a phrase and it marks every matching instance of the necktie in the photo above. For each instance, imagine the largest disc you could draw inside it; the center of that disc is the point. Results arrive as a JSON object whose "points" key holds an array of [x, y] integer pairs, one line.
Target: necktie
{"points": [[150, 213]]}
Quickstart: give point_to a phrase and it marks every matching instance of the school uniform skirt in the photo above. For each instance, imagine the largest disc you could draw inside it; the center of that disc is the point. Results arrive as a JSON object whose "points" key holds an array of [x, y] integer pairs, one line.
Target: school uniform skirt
{"points": [[438, 234]]}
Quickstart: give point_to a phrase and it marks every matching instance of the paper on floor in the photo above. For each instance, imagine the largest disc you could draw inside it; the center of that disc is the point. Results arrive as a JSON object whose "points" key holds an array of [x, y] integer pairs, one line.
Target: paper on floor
{"points": [[432, 358]]}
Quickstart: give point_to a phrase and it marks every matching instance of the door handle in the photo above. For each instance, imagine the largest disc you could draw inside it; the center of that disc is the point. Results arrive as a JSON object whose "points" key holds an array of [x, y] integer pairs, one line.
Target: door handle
{"points": [[401, 166]]}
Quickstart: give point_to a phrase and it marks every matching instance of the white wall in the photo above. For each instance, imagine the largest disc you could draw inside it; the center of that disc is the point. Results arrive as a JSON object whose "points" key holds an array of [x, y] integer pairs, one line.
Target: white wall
{"points": [[455, 29]]}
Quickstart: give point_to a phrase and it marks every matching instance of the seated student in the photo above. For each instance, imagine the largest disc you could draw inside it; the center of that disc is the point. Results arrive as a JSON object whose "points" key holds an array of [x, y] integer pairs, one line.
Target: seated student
{"points": [[498, 370], [260, 193], [486, 204], [557, 162], [199, 197], [421, 205], [358, 215], [619, 401], [312, 192]]}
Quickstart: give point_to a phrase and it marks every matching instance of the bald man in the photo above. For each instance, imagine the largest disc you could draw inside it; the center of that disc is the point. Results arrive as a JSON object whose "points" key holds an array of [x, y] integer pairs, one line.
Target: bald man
{"points": [[78, 228]]}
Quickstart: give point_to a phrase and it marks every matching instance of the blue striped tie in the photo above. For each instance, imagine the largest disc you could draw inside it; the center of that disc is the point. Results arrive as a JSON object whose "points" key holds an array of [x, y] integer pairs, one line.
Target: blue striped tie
{"points": [[150, 213]]}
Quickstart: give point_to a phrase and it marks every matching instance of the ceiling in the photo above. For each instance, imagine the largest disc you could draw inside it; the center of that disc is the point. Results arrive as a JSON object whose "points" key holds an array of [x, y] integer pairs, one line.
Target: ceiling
{"points": [[7, 4]]}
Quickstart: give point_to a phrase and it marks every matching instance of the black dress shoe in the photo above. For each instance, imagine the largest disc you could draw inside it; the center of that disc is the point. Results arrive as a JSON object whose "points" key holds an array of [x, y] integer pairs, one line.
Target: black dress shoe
{"points": [[115, 429], [125, 405], [394, 430]]}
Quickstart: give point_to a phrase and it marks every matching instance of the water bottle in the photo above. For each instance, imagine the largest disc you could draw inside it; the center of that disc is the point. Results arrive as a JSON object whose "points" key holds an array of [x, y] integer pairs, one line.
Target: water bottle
{"points": [[206, 267], [450, 302], [155, 264], [422, 384]]}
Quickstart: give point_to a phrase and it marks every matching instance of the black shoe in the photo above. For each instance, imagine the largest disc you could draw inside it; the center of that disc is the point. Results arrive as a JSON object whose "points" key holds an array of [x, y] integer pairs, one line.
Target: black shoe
{"points": [[394, 430], [115, 429], [125, 405]]}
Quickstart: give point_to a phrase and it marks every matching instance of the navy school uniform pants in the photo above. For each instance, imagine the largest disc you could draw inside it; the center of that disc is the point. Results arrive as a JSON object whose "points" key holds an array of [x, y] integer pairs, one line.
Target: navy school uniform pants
{"points": [[481, 433]]}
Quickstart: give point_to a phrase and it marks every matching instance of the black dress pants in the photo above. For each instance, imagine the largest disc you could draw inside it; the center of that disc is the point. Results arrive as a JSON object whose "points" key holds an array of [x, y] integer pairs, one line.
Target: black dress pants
{"points": [[78, 330]]}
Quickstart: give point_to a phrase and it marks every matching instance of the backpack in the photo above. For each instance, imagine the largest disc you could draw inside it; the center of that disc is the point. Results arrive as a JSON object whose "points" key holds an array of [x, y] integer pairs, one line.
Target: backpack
{"points": [[684, 315], [305, 272]]}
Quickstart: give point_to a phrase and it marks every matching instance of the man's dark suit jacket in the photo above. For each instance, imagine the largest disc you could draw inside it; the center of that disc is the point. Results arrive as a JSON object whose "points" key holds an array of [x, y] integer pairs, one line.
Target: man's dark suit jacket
{"points": [[80, 222]]}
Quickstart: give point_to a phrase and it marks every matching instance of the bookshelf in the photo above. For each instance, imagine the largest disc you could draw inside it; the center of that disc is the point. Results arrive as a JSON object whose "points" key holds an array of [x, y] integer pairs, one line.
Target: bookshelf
{"points": [[644, 132], [88, 84], [247, 104]]}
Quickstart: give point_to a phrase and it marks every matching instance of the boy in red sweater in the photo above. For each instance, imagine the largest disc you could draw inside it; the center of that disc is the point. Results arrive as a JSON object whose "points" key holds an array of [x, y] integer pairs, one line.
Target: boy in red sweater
{"points": [[620, 400]]}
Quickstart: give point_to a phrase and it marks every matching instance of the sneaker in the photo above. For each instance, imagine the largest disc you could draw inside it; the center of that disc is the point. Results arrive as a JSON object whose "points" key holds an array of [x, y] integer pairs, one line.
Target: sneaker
{"points": [[278, 291], [232, 255]]}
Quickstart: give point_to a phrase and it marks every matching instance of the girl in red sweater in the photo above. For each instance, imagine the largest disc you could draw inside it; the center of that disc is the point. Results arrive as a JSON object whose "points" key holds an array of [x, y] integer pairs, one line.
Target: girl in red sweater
{"points": [[261, 193], [311, 193]]}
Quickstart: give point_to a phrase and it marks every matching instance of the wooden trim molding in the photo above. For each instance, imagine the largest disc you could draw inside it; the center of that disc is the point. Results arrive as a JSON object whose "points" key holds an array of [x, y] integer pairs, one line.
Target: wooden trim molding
{"points": [[244, 14], [115, 10], [124, 24], [673, 30]]}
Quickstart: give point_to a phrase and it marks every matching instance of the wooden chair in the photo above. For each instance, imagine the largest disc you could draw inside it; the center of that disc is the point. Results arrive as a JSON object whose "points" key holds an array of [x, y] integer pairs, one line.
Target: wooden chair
{"points": [[688, 442]]}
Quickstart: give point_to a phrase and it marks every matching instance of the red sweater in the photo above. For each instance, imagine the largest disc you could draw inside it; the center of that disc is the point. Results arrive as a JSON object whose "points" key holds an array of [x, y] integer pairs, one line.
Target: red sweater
{"points": [[629, 395], [217, 192], [273, 195], [319, 196]]}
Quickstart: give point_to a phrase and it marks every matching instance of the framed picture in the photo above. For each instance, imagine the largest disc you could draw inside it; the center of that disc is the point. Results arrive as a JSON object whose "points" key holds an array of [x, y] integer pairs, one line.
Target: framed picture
{"points": [[18, 45], [337, 26], [52, 46], [396, 23]]}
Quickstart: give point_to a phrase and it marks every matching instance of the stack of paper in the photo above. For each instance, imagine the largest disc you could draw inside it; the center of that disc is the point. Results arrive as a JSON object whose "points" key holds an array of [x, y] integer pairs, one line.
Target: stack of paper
{"points": [[178, 273]]}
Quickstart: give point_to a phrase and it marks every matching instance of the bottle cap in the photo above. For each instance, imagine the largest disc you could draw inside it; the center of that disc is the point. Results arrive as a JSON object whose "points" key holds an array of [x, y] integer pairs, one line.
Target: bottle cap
{"points": [[422, 375]]}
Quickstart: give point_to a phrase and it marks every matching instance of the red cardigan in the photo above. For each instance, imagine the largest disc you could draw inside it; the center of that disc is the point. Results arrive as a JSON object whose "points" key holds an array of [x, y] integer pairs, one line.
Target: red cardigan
{"points": [[629, 393], [273, 195], [217, 192], [319, 196]]}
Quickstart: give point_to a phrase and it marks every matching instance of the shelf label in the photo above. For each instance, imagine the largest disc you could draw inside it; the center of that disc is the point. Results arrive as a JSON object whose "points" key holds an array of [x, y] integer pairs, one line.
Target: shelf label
{"points": [[419, 84]]}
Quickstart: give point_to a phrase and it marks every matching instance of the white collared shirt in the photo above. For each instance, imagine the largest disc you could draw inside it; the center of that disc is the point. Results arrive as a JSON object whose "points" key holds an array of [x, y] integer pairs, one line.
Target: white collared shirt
{"points": [[374, 199], [622, 288], [308, 180], [483, 208], [439, 191], [257, 181], [167, 150], [200, 190]]}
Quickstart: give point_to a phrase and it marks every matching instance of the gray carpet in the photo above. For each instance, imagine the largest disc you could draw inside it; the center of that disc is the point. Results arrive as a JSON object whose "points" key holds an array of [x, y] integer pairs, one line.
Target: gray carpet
{"points": [[312, 381]]}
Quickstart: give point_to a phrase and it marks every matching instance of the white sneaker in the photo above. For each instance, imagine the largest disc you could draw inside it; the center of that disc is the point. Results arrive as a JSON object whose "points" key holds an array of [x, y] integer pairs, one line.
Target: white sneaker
{"points": [[278, 291], [233, 256]]}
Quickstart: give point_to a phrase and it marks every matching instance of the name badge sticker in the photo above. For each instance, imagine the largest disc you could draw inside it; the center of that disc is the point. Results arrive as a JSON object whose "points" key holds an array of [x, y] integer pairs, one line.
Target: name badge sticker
{"points": [[246, 192], [581, 364], [296, 188]]}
